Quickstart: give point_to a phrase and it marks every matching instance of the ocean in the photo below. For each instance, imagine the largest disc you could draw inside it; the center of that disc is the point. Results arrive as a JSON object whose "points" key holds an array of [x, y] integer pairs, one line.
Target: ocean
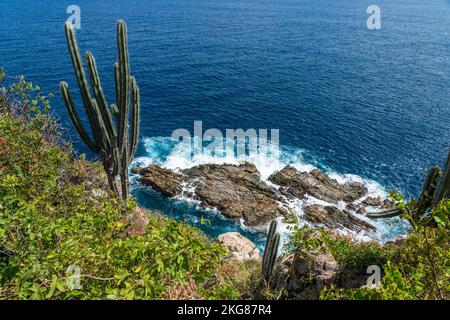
{"points": [[366, 105]]}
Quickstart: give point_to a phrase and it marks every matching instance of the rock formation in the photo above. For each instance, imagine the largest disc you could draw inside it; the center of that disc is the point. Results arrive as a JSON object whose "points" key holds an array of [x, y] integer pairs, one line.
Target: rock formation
{"points": [[317, 184], [238, 246], [238, 192]]}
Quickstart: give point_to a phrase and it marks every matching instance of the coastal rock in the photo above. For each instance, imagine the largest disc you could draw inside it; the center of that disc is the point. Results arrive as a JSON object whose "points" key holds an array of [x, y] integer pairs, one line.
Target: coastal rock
{"points": [[333, 218], [372, 202], [362, 211], [238, 246], [161, 179], [236, 190], [317, 184]]}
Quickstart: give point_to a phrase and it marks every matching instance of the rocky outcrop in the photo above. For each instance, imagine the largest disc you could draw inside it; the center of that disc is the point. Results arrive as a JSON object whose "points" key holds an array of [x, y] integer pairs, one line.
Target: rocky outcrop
{"points": [[238, 246], [304, 277], [317, 184], [161, 179], [332, 218], [236, 190], [372, 202]]}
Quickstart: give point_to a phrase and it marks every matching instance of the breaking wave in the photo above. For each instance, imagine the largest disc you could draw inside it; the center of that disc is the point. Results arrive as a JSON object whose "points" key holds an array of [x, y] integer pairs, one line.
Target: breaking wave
{"points": [[173, 155]]}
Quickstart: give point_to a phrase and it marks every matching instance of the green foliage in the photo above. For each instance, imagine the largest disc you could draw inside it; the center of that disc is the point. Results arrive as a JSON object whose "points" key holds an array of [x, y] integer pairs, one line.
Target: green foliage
{"points": [[30, 105], [238, 280], [54, 214], [418, 267], [353, 256]]}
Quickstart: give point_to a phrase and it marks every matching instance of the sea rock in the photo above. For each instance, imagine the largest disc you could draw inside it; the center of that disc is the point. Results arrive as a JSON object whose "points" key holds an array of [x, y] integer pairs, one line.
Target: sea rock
{"points": [[238, 246], [317, 184], [237, 191], [161, 179], [362, 210], [334, 218], [372, 202]]}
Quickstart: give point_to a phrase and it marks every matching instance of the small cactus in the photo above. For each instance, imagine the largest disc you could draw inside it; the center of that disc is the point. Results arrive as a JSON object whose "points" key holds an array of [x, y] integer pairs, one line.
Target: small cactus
{"points": [[270, 251], [115, 146]]}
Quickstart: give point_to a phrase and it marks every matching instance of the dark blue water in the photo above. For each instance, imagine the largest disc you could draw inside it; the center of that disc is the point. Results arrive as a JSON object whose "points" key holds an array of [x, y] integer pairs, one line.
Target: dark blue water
{"points": [[374, 103]]}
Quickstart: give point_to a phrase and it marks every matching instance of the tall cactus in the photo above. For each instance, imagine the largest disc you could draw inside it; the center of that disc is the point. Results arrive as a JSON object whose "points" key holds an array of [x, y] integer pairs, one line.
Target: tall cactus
{"points": [[270, 251], [443, 189], [110, 137]]}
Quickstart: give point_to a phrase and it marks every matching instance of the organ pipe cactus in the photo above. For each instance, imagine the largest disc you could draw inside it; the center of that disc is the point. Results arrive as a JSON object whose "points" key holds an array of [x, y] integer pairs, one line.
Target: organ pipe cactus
{"points": [[113, 140], [270, 251]]}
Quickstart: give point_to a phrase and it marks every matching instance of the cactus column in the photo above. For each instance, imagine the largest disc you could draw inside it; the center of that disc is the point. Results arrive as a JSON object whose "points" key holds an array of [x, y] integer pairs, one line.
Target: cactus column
{"points": [[443, 189], [113, 141], [270, 251]]}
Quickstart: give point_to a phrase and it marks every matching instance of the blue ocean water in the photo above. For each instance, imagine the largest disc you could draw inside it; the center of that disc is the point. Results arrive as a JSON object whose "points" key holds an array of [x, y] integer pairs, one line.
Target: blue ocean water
{"points": [[371, 103]]}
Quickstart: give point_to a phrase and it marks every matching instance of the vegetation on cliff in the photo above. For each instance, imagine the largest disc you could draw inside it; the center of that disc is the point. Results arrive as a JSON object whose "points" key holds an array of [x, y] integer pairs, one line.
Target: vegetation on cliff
{"points": [[60, 223], [58, 216]]}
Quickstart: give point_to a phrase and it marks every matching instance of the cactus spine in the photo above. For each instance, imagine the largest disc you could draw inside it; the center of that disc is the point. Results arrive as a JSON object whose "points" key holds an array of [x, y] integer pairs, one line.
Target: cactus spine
{"points": [[115, 146], [270, 251]]}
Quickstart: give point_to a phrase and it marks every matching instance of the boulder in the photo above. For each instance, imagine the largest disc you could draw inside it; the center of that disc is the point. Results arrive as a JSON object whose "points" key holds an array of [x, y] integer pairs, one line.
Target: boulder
{"points": [[238, 246], [304, 277], [334, 218], [317, 184]]}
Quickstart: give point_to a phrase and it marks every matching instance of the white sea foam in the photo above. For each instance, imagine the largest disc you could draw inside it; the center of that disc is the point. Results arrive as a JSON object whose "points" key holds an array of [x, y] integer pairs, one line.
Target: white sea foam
{"points": [[169, 154]]}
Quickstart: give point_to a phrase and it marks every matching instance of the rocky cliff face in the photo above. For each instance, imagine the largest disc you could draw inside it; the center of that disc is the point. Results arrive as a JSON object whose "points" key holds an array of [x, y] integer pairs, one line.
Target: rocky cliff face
{"points": [[239, 193]]}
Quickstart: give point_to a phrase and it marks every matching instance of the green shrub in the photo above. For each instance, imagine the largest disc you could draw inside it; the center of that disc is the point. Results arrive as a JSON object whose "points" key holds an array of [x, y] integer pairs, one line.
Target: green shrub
{"points": [[56, 217], [418, 267], [353, 256]]}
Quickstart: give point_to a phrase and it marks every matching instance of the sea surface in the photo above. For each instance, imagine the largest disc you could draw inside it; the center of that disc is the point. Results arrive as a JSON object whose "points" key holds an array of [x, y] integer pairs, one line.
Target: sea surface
{"points": [[367, 105]]}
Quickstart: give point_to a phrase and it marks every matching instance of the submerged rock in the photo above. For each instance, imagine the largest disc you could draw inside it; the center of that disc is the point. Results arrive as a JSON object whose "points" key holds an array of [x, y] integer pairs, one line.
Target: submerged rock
{"points": [[317, 184], [238, 246]]}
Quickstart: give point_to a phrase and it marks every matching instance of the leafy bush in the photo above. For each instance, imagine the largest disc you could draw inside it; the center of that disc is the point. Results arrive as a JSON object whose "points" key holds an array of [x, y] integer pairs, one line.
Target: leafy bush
{"points": [[417, 266], [56, 218], [353, 256]]}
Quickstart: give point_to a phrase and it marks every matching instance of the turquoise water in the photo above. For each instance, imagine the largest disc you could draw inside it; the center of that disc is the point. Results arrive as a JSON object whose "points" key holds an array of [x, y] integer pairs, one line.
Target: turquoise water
{"points": [[370, 103]]}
